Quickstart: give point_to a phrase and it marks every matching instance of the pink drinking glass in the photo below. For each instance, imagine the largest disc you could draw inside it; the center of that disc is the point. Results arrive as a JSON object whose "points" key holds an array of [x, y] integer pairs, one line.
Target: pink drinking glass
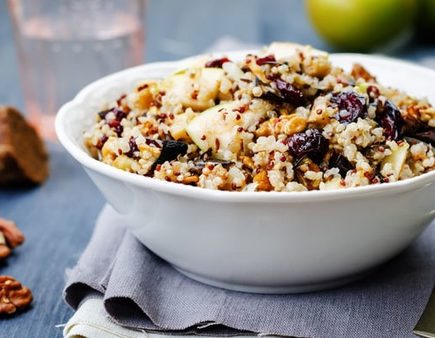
{"points": [[65, 44]]}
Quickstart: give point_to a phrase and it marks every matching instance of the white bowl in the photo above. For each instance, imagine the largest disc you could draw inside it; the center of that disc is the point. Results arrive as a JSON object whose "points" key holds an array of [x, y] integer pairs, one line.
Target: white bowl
{"points": [[268, 242]]}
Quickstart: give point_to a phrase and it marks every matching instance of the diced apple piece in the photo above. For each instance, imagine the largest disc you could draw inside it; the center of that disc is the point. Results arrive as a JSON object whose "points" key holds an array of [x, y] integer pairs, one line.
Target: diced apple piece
{"points": [[145, 95], [206, 126], [333, 184], [178, 127], [109, 149], [319, 69], [196, 89], [233, 70], [362, 87], [284, 50], [397, 158], [256, 70], [319, 112], [123, 162], [217, 129]]}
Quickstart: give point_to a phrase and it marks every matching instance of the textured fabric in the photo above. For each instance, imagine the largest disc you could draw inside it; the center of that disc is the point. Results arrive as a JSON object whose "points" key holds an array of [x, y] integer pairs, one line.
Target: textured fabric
{"points": [[91, 321], [142, 291], [426, 325]]}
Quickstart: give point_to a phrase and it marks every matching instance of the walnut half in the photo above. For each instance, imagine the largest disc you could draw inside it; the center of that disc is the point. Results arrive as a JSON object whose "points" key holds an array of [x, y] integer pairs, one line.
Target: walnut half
{"points": [[13, 295], [10, 237]]}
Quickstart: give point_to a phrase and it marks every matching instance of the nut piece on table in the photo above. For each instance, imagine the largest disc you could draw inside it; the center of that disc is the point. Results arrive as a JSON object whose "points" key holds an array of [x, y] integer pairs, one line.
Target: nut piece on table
{"points": [[5, 251], [23, 157], [13, 295], [10, 237]]}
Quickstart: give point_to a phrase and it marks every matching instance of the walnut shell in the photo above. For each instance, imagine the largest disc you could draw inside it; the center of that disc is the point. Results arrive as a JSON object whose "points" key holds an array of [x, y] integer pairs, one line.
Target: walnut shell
{"points": [[13, 295]]}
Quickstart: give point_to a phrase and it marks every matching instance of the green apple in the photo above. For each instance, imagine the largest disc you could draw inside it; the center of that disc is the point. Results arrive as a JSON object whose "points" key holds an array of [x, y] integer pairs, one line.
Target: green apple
{"points": [[361, 24]]}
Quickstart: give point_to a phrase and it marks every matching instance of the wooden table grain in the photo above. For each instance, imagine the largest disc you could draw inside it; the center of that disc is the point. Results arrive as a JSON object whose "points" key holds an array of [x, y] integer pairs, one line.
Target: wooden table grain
{"points": [[57, 218]]}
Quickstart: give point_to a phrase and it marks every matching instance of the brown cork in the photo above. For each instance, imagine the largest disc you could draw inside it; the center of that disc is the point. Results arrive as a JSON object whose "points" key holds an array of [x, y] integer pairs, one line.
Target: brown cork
{"points": [[23, 157]]}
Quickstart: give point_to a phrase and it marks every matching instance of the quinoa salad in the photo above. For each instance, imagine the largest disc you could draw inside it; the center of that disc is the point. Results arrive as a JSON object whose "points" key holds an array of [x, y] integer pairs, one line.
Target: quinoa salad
{"points": [[284, 119]]}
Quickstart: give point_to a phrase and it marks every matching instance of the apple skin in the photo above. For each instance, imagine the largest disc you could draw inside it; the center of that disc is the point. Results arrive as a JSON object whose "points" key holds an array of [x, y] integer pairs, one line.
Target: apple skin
{"points": [[361, 25]]}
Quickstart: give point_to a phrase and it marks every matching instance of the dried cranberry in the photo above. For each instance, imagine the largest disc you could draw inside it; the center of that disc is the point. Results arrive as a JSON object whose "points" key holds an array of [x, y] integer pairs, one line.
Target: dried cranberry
{"points": [[373, 92], [118, 130], [133, 148], [413, 125], [426, 136], [116, 126], [119, 114], [310, 143], [284, 93], [115, 123], [289, 92], [417, 129], [217, 63], [151, 142], [102, 114], [272, 76], [339, 161], [269, 59], [101, 142], [391, 120], [272, 96], [170, 151], [350, 105]]}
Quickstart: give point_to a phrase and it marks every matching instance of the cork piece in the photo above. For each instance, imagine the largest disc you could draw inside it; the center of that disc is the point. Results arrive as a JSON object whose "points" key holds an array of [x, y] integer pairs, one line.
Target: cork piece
{"points": [[23, 157]]}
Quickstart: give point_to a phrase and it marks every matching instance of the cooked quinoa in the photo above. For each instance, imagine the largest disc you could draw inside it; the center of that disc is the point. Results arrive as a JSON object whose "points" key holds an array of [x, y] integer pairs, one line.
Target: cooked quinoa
{"points": [[285, 119]]}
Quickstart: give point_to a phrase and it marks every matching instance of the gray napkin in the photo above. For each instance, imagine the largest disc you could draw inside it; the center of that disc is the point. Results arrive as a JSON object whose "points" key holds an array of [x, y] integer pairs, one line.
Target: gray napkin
{"points": [[142, 291]]}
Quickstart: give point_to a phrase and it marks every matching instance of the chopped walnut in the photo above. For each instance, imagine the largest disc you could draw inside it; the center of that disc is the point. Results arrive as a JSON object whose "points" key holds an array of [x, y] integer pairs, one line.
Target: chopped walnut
{"points": [[304, 173], [358, 71], [13, 295], [262, 180], [416, 113], [10, 237], [285, 124], [191, 180], [248, 162]]}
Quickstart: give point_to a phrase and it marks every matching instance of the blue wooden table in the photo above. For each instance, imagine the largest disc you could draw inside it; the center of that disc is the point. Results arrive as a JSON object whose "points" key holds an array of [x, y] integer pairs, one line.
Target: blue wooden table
{"points": [[57, 218]]}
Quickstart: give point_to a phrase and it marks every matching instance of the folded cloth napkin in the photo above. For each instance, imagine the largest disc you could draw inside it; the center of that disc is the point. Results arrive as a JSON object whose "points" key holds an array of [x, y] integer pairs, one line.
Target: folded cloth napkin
{"points": [[91, 321], [143, 292]]}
